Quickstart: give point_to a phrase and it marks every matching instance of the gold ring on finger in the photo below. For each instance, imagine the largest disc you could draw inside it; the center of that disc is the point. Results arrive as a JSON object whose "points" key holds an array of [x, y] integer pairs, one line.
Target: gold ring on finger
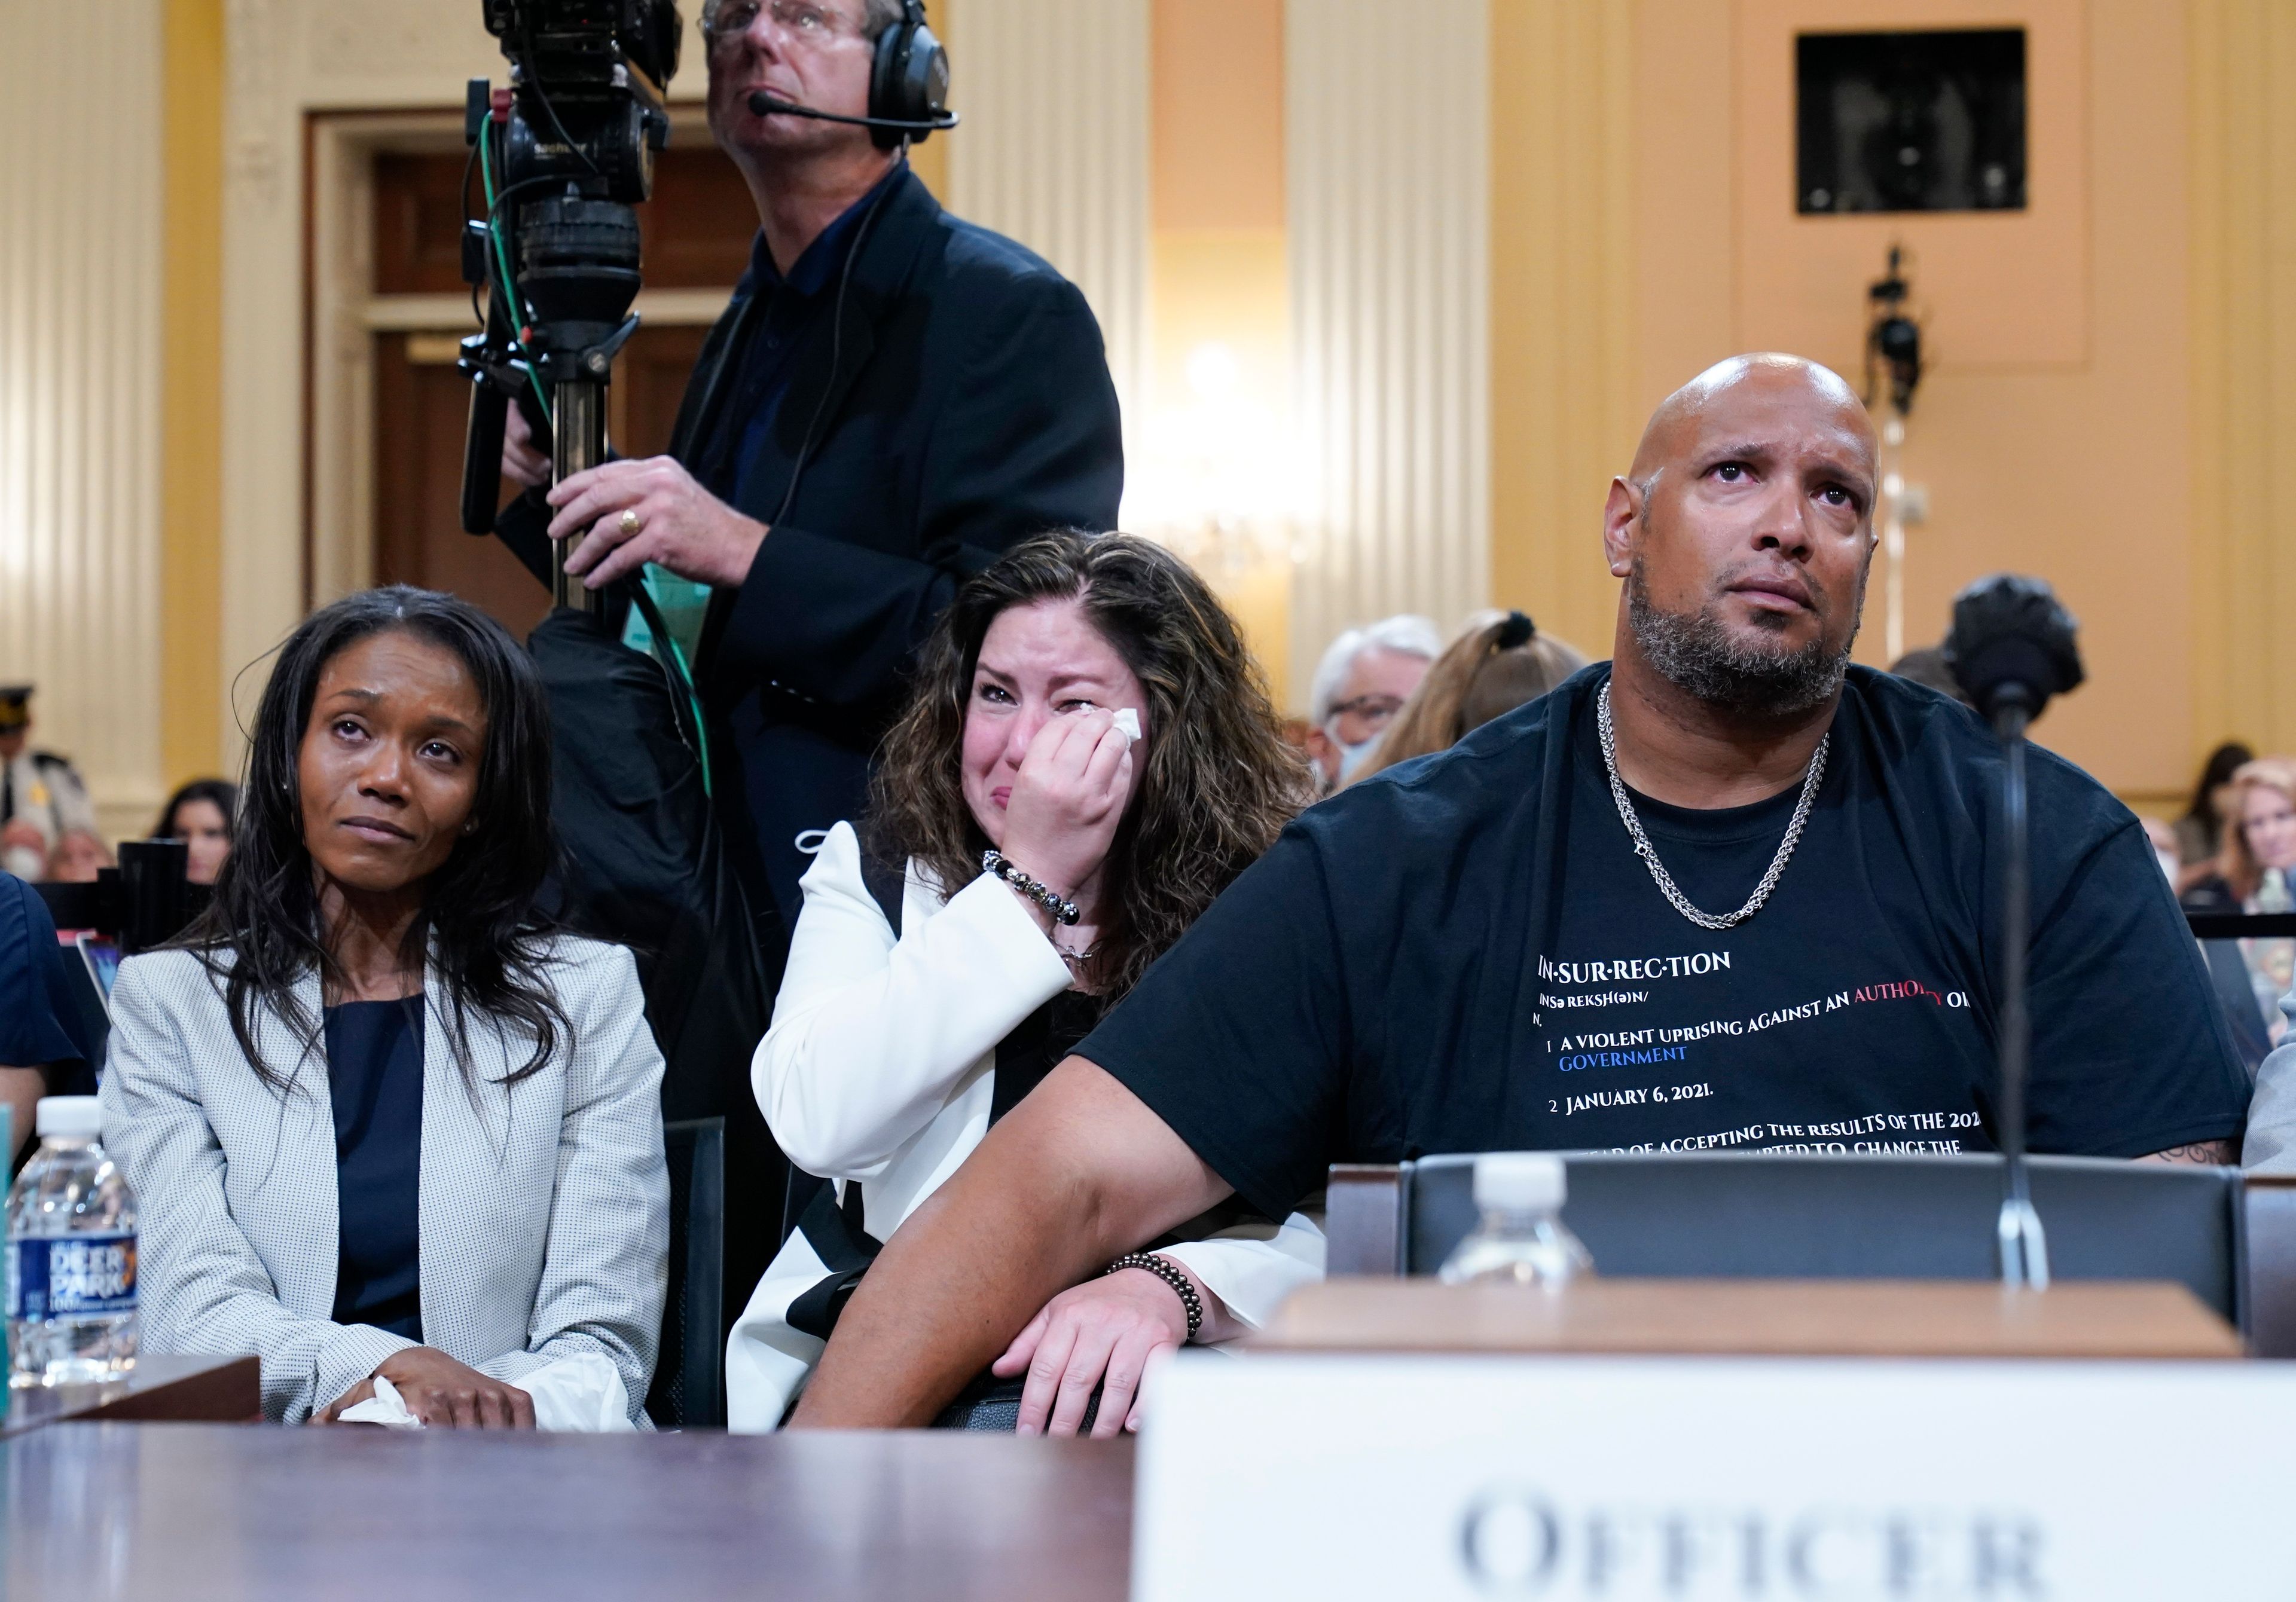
{"points": [[631, 522]]}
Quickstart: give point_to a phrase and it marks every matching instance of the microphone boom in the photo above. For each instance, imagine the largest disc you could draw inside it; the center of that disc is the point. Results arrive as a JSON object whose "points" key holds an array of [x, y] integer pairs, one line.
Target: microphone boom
{"points": [[762, 104]]}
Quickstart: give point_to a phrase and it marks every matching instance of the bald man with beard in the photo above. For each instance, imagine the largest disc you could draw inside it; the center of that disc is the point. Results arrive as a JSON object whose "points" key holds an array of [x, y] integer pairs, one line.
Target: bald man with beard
{"points": [[1727, 892]]}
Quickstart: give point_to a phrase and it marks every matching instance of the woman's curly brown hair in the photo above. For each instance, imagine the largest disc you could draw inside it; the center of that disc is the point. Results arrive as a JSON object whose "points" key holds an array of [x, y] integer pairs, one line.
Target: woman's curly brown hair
{"points": [[1220, 782]]}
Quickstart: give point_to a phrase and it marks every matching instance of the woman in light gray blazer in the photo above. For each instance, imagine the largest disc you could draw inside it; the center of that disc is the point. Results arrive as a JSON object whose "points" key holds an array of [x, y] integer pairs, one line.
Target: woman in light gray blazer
{"points": [[381, 1121]]}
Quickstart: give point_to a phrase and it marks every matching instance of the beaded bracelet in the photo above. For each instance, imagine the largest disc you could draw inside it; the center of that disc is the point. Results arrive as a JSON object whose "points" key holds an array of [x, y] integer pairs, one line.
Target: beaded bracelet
{"points": [[1171, 1276], [1063, 912]]}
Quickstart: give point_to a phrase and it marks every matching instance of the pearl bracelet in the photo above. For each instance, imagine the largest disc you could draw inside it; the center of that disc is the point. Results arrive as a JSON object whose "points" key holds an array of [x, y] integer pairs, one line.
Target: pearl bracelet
{"points": [[993, 861], [1170, 1274]]}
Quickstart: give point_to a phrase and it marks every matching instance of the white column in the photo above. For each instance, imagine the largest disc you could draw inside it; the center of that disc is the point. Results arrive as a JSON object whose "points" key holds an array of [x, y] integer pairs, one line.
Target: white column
{"points": [[1054, 150], [1386, 129], [79, 384]]}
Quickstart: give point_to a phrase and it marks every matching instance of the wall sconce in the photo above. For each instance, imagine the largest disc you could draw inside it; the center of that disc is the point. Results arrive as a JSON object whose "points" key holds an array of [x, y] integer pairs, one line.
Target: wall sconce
{"points": [[1216, 475]]}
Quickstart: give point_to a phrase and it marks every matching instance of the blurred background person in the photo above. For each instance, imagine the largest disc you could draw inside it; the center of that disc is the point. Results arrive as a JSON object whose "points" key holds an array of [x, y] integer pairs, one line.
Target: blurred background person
{"points": [[2199, 832], [79, 856], [927, 994], [2163, 837], [381, 1120], [2256, 853], [2255, 871], [199, 815], [1499, 663], [1926, 665], [1364, 677], [42, 797]]}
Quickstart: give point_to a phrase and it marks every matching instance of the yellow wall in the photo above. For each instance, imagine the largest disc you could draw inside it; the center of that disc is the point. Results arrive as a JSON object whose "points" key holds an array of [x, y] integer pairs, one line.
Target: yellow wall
{"points": [[1642, 226], [1218, 269], [2243, 63], [1565, 406], [191, 360]]}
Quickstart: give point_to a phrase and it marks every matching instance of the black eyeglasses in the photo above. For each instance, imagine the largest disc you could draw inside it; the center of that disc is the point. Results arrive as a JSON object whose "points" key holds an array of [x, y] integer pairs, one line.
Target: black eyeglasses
{"points": [[1373, 710]]}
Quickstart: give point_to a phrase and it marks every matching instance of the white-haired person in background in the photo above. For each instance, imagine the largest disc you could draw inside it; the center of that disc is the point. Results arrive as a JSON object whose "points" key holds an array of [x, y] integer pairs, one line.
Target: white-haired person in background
{"points": [[1365, 676]]}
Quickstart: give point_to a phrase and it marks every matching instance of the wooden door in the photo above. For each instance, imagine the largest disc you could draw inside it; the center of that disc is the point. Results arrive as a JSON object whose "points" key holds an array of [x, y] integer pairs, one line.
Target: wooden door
{"points": [[696, 230]]}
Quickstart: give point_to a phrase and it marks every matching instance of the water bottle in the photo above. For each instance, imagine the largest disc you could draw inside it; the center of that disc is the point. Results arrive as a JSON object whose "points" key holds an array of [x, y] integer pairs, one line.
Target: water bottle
{"points": [[1522, 1239], [71, 1254]]}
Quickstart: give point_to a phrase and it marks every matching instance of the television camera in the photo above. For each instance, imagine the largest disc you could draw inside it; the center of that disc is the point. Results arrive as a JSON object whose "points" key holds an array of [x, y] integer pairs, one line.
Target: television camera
{"points": [[562, 154]]}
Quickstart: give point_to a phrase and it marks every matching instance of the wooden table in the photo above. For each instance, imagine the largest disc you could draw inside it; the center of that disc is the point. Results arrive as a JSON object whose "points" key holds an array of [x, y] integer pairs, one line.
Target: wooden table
{"points": [[196, 1511], [212, 1390], [1778, 1318]]}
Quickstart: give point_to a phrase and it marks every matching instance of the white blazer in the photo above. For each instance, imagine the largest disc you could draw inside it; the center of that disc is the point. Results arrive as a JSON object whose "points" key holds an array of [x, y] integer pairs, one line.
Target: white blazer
{"points": [[879, 1068], [544, 1209]]}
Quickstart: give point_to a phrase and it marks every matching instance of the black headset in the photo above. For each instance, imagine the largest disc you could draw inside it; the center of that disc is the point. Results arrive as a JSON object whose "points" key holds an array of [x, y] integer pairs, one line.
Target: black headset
{"points": [[908, 87]]}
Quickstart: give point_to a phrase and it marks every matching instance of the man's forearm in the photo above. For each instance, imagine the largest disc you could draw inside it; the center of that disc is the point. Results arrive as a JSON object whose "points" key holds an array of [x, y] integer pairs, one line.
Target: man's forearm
{"points": [[949, 1293], [2200, 1152], [1066, 1183]]}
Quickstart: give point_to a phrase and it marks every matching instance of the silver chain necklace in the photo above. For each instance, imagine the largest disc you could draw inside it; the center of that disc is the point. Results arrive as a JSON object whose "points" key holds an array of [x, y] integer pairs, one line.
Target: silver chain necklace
{"points": [[1649, 853]]}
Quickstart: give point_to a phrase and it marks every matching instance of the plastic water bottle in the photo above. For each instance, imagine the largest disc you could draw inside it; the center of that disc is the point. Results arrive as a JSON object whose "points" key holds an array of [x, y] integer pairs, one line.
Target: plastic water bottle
{"points": [[1522, 1239], [71, 1255]]}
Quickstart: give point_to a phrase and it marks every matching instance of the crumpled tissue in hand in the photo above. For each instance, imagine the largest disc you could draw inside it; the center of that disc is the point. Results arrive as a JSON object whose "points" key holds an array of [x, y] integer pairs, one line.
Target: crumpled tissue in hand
{"points": [[583, 1392]]}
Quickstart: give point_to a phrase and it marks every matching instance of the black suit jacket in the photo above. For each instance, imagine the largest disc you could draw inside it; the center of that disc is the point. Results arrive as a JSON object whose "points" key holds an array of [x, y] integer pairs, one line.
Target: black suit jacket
{"points": [[962, 403]]}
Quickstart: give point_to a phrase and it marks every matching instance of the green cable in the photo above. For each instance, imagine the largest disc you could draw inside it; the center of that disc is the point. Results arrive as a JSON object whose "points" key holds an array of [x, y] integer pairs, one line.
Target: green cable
{"points": [[693, 699], [502, 258], [677, 651]]}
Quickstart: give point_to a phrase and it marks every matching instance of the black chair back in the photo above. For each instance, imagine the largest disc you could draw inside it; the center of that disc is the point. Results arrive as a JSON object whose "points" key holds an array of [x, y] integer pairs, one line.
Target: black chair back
{"points": [[689, 1375], [1813, 1216]]}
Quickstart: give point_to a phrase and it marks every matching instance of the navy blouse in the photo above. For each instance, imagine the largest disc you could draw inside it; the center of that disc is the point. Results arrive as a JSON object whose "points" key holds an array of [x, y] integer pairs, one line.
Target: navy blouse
{"points": [[374, 1074]]}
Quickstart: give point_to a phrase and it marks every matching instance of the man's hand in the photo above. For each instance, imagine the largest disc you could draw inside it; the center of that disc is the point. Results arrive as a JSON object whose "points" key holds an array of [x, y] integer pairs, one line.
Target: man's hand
{"points": [[442, 1393], [672, 521], [521, 463], [1106, 1326], [1078, 1174]]}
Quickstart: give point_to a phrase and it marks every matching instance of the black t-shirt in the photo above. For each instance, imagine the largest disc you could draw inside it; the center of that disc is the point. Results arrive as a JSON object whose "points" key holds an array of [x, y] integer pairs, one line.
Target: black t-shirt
{"points": [[1464, 954]]}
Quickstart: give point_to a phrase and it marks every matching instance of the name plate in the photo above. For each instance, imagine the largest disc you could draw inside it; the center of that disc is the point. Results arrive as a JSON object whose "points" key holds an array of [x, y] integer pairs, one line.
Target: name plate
{"points": [[1334, 1477]]}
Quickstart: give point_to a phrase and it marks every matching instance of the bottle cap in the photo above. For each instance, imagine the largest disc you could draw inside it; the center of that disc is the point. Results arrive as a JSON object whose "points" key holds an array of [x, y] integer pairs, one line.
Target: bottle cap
{"points": [[1518, 1181], [74, 1118]]}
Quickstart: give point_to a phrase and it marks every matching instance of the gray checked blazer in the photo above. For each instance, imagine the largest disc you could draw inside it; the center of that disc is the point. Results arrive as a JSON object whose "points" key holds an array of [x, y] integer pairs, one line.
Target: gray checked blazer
{"points": [[544, 1210]]}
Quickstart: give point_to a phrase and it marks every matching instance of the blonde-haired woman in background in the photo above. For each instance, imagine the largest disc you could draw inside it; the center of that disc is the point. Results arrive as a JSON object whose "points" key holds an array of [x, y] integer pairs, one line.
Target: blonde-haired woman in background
{"points": [[1500, 662], [2256, 872]]}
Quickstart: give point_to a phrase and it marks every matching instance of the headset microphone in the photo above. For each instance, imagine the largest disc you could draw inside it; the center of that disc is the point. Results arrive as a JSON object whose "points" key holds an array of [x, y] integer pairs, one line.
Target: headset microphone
{"points": [[767, 105]]}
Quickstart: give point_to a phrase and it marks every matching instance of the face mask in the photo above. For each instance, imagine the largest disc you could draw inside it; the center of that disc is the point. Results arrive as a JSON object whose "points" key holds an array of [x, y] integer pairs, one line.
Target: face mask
{"points": [[1352, 758]]}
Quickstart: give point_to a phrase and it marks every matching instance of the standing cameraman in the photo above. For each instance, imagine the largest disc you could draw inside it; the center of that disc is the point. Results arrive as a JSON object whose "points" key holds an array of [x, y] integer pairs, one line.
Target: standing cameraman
{"points": [[891, 398]]}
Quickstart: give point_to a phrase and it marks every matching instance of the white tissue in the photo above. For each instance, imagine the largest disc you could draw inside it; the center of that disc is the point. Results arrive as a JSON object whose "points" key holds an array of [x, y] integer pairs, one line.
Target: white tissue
{"points": [[386, 1407], [583, 1392], [1128, 720]]}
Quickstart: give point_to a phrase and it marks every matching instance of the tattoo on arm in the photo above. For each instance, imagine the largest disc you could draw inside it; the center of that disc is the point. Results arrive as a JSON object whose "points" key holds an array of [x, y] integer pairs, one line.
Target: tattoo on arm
{"points": [[2201, 1151]]}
